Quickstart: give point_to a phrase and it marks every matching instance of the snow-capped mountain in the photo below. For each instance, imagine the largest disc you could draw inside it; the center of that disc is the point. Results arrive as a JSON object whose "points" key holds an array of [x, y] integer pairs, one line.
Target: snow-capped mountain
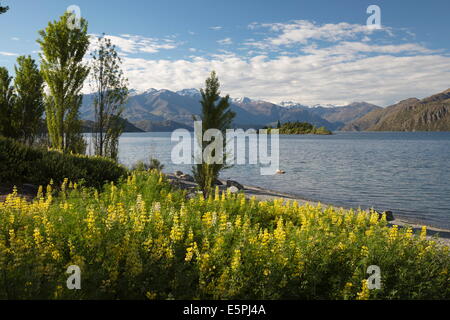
{"points": [[154, 108], [192, 92]]}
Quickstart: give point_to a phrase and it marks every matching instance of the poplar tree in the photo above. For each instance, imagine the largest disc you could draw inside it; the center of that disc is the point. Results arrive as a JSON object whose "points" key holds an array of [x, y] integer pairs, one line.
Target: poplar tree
{"points": [[7, 110], [110, 91], [216, 114], [63, 48], [29, 105]]}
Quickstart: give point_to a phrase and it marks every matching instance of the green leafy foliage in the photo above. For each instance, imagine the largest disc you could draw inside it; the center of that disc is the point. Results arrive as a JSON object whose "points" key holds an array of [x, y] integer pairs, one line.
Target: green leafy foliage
{"points": [[7, 105], [63, 49], [143, 239], [29, 104], [22, 164]]}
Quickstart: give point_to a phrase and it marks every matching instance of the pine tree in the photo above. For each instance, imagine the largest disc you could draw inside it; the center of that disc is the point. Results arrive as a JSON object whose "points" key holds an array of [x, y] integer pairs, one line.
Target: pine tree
{"points": [[29, 105], [214, 116], [110, 92], [64, 72], [7, 105]]}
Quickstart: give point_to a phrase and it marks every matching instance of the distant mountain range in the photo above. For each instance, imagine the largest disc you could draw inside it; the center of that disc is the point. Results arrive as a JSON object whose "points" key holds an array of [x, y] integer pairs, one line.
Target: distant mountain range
{"points": [[87, 126], [165, 110], [429, 114]]}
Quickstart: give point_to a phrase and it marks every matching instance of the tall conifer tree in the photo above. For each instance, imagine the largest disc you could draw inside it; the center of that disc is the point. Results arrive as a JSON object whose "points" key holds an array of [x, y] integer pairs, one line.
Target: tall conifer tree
{"points": [[216, 114]]}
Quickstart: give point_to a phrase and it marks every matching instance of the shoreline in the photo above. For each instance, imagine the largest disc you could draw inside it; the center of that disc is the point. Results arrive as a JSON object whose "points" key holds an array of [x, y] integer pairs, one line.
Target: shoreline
{"points": [[263, 194]]}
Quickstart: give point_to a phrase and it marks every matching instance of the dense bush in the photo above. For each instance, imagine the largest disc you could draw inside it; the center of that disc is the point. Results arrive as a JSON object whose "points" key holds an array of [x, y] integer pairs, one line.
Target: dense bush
{"points": [[141, 239], [23, 164]]}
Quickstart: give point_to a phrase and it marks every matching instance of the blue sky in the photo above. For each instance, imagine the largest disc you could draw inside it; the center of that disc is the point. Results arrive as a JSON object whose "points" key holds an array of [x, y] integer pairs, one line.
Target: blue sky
{"points": [[305, 51]]}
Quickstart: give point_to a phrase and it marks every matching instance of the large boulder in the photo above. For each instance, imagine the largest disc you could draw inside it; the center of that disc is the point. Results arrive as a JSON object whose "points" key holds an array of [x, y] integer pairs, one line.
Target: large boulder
{"points": [[178, 173], [187, 177], [389, 215], [233, 189], [232, 183]]}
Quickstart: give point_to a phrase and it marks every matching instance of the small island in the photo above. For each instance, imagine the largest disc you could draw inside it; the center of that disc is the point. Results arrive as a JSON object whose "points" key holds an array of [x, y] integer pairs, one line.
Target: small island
{"points": [[299, 128]]}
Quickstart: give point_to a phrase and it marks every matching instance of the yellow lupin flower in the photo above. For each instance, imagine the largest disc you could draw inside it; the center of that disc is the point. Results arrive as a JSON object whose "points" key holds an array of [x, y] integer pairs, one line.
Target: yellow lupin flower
{"points": [[393, 233], [423, 233], [236, 261], [38, 238], [364, 251], [279, 233], [364, 294]]}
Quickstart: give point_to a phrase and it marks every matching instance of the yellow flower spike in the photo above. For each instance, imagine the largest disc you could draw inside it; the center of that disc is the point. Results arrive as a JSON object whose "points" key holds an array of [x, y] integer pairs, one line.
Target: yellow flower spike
{"points": [[40, 194], [190, 237], [374, 218], [222, 222], [49, 189], [236, 260], [364, 294], [176, 233], [393, 233], [364, 251], [423, 233], [409, 233], [351, 237], [189, 254], [279, 233], [265, 238], [237, 222], [38, 239]]}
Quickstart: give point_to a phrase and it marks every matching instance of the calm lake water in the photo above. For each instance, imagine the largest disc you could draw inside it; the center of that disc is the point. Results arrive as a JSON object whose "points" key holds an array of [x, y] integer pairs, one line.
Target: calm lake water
{"points": [[407, 173]]}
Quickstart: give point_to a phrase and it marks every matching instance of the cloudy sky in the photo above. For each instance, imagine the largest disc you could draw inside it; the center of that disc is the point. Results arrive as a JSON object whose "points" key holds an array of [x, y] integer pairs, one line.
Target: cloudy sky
{"points": [[305, 51]]}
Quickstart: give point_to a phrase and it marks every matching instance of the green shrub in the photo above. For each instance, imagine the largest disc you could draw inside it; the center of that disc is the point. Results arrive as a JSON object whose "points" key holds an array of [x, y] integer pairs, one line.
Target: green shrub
{"points": [[23, 164], [143, 239]]}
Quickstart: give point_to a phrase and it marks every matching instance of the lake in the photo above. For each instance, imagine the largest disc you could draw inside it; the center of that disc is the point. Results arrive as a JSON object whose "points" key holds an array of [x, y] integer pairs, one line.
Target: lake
{"points": [[407, 173]]}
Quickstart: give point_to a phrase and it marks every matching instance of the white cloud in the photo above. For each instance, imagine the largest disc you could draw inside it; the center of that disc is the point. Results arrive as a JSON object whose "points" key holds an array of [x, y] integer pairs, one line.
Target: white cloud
{"points": [[130, 44], [347, 66], [216, 28], [302, 32], [319, 77], [15, 39], [8, 54], [226, 41]]}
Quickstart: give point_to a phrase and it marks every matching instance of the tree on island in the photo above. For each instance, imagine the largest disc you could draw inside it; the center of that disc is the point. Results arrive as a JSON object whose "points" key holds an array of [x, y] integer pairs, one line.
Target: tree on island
{"points": [[63, 48], [29, 105], [216, 114], [300, 128], [110, 92]]}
